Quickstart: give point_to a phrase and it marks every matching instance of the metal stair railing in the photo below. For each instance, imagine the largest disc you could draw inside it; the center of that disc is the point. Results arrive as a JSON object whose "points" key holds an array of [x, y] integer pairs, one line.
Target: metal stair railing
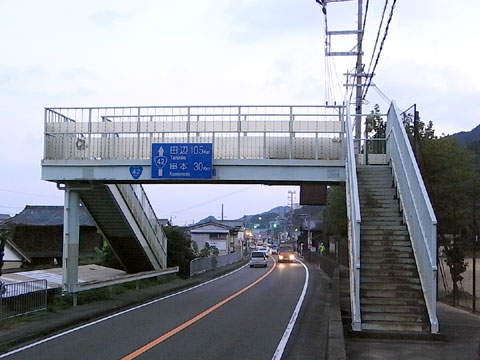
{"points": [[417, 209], [142, 211], [354, 221]]}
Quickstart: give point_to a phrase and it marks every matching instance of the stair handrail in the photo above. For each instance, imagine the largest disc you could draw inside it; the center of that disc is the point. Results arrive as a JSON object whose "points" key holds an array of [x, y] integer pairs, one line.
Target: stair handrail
{"points": [[138, 202], [354, 222], [417, 209]]}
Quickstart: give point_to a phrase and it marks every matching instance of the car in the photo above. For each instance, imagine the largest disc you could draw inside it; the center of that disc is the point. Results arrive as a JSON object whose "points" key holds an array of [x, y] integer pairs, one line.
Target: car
{"points": [[264, 249], [274, 249], [258, 259], [285, 253]]}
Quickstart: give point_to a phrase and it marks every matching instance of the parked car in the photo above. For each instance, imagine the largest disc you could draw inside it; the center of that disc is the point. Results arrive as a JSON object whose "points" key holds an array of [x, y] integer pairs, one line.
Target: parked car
{"points": [[286, 253], [258, 259]]}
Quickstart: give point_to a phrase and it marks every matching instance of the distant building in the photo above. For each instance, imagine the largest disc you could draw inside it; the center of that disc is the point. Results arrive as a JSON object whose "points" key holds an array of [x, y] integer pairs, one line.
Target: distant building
{"points": [[37, 234], [227, 236], [14, 258]]}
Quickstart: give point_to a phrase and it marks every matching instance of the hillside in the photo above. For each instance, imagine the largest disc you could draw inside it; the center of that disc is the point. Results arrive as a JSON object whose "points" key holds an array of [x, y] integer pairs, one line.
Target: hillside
{"points": [[467, 138]]}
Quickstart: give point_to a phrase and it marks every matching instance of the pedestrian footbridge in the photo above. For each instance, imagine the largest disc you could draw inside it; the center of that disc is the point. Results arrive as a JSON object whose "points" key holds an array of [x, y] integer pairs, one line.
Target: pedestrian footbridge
{"points": [[102, 156]]}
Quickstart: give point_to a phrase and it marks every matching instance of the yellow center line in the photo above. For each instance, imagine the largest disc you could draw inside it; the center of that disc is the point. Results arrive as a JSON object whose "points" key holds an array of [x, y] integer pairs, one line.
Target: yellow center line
{"points": [[193, 320]]}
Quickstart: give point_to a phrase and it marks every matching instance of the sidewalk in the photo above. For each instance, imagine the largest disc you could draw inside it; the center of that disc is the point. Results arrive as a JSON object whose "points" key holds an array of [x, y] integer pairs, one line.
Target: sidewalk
{"points": [[459, 340]]}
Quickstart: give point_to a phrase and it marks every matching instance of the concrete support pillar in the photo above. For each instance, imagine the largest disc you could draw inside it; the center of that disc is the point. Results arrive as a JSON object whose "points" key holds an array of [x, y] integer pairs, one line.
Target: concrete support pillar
{"points": [[71, 240]]}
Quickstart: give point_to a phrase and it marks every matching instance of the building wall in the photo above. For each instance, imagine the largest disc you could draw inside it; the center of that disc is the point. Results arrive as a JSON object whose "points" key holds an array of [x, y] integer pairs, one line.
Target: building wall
{"points": [[44, 243], [11, 259]]}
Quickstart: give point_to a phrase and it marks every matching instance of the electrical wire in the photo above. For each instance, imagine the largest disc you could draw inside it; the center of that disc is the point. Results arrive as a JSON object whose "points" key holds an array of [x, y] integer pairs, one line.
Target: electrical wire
{"points": [[380, 49], [378, 36]]}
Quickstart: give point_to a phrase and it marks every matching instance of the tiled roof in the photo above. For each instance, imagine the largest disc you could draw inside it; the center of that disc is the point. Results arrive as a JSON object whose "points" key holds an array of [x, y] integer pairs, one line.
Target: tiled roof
{"points": [[34, 215]]}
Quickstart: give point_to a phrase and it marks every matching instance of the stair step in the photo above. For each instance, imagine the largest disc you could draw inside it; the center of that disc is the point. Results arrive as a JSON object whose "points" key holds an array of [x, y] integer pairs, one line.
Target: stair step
{"points": [[385, 242], [387, 279], [377, 231], [389, 273], [394, 317], [385, 260], [387, 254], [384, 301], [383, 286], [397, 294], [388, 267], [395, 326], [402, 309], [385, 237]]}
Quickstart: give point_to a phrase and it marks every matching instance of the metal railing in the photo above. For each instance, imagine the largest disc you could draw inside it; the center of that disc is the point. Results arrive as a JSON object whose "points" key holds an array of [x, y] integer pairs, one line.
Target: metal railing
{"points": [[142, 210], [418, 211], [200, 265], [22, 298], [236, 132], [354, 222]]}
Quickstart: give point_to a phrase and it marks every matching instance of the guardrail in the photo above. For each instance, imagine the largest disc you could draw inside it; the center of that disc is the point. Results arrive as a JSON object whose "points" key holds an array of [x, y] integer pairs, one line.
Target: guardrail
{"points": [[142, 210], [200, 265], [236, 132], [22, 298], [418, 214], [354, 221]]}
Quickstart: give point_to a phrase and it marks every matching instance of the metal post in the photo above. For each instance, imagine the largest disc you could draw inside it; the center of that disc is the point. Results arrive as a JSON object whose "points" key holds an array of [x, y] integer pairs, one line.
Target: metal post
{"points": [[71, 239], [359, 71]]}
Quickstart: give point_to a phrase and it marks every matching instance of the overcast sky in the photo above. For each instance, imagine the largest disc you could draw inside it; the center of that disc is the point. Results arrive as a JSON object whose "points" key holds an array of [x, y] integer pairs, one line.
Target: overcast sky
{"points": [[213, 52]]}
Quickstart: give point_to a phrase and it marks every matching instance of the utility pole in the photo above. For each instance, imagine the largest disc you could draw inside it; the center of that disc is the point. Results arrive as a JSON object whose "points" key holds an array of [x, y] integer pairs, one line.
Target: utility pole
{"points": [[359, 73], [291, 195]]}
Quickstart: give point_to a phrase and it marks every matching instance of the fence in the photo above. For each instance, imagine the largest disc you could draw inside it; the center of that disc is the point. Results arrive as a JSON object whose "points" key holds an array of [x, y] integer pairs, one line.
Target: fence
{"points": [[236, 132], [22, 298], [203, 264], [470, 283]]}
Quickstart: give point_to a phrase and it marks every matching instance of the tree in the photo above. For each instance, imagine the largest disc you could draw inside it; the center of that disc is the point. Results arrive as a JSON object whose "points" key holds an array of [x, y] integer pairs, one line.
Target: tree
{"points": [[449, 171], [209, 250], [337, 211], [376, 129], [179, 250]]}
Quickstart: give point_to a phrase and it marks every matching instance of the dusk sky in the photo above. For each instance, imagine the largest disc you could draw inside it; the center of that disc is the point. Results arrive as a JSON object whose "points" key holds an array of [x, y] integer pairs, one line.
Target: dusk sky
{"points": [[213, 52]]}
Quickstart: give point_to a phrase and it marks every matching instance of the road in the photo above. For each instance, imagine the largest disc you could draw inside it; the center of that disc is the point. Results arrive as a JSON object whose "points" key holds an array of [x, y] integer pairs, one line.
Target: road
{"points": [[243, 315]]}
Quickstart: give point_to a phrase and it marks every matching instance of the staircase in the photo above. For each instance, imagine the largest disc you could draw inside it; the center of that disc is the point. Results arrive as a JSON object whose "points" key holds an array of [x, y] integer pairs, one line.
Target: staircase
{"points": [[391, 296], [121, 223]]}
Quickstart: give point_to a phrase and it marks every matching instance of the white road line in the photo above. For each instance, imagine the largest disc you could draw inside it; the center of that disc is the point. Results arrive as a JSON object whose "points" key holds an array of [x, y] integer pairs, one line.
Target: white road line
{"points": [[114, 315], [288, 331]]}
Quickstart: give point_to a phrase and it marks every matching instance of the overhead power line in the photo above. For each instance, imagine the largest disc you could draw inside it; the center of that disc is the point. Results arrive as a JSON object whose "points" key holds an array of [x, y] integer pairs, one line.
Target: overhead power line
{"points": [[381, 47]]}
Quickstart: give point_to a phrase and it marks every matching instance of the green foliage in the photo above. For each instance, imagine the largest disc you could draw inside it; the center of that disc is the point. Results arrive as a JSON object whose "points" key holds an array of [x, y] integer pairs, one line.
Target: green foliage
{"points": [[455, 260], [376, 126], [209, 250], [179, 250], [337, 211], [106, 257], [449, 171]]}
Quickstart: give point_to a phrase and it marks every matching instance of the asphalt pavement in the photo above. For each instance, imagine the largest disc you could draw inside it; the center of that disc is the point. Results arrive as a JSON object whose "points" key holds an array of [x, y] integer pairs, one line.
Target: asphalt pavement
{"points": [[459, 330]]}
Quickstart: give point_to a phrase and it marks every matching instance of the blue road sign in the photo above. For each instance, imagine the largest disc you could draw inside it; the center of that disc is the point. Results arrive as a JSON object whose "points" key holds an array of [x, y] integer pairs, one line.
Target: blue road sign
{"points": [[182, 161]]}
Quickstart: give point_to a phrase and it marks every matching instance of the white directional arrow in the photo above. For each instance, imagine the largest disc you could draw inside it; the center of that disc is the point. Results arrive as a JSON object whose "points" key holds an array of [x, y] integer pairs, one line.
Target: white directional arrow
{"points": [[161, 151]]}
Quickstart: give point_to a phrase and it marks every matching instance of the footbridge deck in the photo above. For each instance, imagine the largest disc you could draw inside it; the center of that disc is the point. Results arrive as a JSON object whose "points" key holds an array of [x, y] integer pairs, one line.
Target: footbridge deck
{"points": [[276, 144]]}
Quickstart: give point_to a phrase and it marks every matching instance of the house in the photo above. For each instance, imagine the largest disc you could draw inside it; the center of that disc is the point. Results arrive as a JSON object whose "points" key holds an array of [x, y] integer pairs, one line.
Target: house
{"points": [[227, 236], [13, 257], [37, 234]]}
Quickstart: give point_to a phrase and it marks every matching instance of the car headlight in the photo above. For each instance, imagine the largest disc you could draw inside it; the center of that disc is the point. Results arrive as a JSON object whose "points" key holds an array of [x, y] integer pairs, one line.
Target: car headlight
{"points": [[291, 257], [280, 257]]}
